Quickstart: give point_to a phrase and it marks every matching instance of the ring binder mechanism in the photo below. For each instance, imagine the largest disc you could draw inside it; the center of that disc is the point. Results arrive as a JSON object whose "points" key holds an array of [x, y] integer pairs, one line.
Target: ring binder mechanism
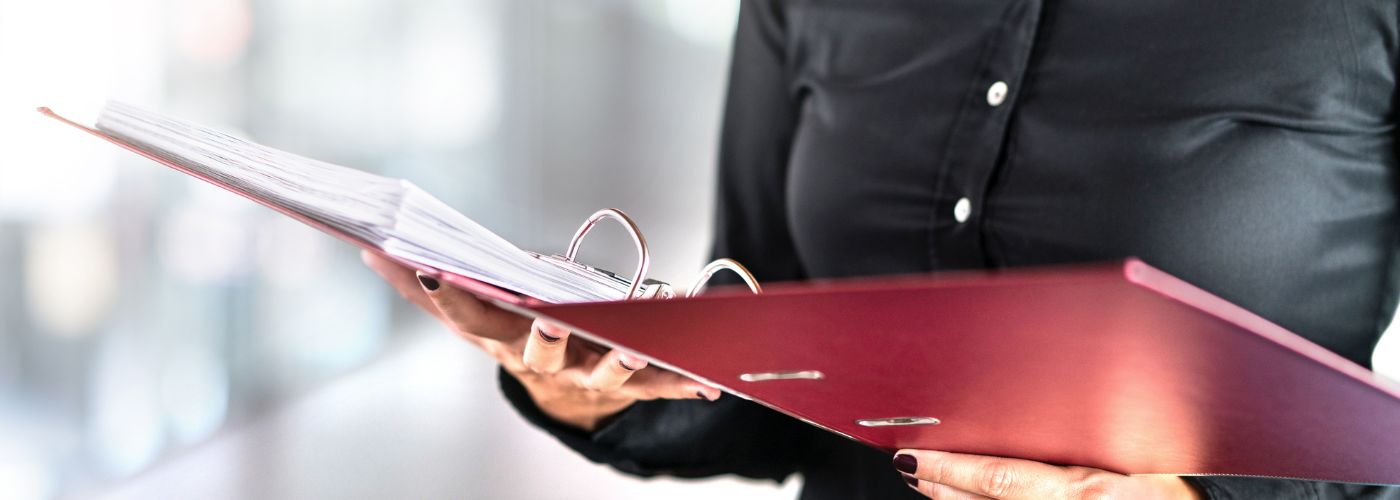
{"points": [[719, 265], [389, 216], [641, 287]]}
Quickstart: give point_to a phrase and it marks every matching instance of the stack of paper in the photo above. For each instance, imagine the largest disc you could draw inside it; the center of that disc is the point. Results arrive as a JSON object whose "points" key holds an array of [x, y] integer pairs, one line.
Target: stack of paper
{"points": [[393, 214]]}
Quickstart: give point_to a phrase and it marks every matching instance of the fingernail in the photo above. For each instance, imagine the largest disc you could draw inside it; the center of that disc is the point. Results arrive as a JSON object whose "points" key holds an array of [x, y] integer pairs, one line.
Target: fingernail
{"points": [[906, 463], [547, 337], [428, 282], [912, 481], [622, 360], [702, 395]]}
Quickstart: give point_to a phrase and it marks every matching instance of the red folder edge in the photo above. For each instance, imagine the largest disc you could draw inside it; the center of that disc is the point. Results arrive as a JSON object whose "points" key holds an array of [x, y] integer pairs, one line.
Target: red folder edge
{"points": [[1137, 271]]}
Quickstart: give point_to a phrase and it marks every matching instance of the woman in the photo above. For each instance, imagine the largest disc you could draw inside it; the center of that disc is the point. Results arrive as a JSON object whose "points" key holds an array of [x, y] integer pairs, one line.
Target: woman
{"points": [[1247, 147]]}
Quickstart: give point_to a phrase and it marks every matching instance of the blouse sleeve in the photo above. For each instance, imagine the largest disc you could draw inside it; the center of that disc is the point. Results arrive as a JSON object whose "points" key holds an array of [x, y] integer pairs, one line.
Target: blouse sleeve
{"points": [[1232, 488]]}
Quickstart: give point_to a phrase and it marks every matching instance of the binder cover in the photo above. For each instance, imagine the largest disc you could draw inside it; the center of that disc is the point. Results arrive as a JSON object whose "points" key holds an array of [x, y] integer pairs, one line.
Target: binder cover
{"points": [[1120, 367]]}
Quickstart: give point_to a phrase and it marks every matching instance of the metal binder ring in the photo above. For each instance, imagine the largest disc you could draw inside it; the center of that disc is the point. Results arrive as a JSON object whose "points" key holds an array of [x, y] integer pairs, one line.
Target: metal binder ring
{"points": [[719, 265], [644, 261]]}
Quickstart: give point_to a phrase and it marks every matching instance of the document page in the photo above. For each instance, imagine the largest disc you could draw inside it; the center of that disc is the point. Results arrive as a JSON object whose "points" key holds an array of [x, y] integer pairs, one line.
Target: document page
{"points": [[392, 214]]}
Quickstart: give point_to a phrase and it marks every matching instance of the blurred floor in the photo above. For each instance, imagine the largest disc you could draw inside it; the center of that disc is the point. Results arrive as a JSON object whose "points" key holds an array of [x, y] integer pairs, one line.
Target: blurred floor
{"points": [[423, 422]]}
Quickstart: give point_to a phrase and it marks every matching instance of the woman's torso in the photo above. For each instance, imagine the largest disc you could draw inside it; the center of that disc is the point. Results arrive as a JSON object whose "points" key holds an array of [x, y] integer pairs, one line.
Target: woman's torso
{"points": [[1245, 146]]}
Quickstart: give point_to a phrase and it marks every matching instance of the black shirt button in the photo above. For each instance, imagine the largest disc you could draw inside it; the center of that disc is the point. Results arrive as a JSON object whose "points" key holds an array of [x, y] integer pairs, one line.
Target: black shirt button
{"points": [[962, 210], [996, 94]]}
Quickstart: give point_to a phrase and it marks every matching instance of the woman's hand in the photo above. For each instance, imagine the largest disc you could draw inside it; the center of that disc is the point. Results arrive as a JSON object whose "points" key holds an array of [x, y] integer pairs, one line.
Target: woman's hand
{"points": [[943, 476], [572, 384]]}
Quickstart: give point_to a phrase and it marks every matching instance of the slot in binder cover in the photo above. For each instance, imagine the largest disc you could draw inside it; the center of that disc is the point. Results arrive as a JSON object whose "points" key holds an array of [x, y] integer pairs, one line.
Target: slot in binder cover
{"points": [[1120, 367]]}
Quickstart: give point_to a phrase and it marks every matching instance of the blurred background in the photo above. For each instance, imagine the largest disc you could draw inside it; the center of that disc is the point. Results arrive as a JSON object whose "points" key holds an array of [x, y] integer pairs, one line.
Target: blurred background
{"points": [[160, 338]]}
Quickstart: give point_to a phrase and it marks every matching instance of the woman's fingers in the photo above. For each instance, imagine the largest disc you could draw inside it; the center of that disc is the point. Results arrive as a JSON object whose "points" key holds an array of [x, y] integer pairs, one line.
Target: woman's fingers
{"points": [[612, 370], [402, 279], [547, 352], [655, 383], [994, 477], [613, 374], [940, 491], [471, 316], [459, 309], [546, 347]]}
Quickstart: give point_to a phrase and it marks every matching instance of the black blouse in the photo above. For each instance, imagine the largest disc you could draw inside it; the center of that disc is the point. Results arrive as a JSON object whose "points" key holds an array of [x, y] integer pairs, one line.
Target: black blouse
{"points": [[1247, 146]]}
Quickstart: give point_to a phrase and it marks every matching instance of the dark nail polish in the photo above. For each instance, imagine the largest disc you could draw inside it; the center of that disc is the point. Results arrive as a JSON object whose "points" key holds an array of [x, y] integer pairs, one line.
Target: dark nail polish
{"points": [[912, 481], [549, 339], [906, 463], [428, 282]]}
